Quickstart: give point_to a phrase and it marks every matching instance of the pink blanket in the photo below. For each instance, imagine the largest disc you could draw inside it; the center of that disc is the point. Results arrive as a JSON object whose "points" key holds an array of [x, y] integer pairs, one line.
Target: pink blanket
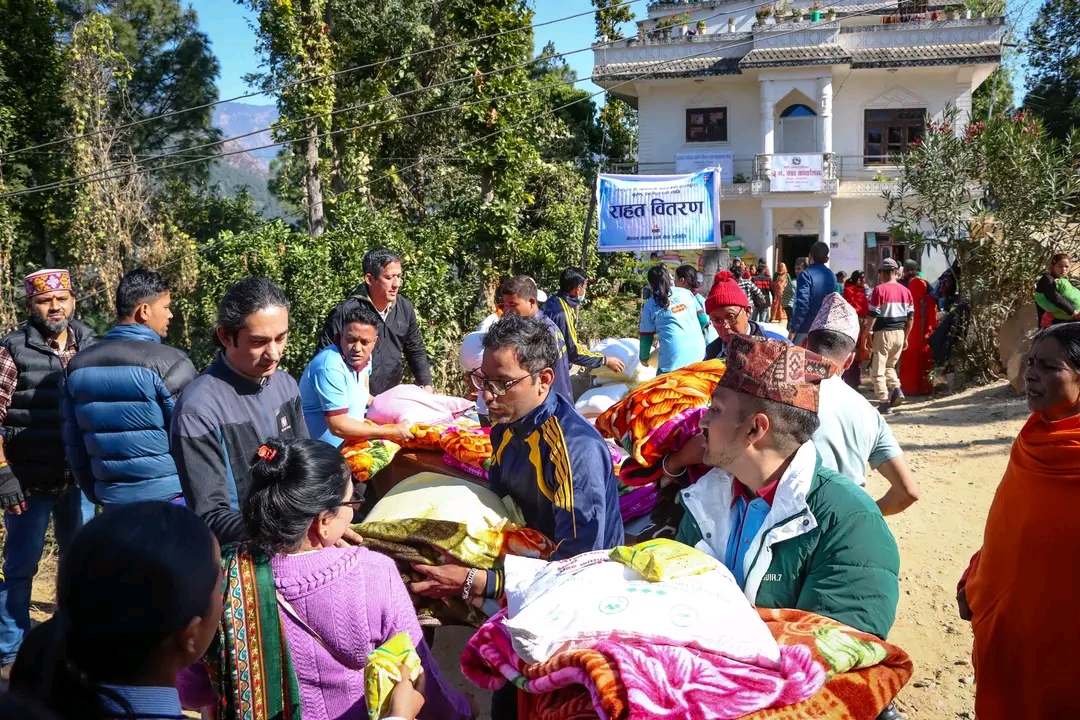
{"points": [[639, 681]]}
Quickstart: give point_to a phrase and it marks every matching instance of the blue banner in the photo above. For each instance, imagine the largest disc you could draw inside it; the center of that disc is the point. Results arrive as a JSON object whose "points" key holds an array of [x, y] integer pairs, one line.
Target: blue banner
{"points": [[643, 213]]}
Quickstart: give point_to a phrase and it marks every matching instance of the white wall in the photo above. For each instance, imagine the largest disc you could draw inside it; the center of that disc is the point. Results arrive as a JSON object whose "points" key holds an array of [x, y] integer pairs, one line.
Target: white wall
{"points": [[851, 220], [662, 117]]}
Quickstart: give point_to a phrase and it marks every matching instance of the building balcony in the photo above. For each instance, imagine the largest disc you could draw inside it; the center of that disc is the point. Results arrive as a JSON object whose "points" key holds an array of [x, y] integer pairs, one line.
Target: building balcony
{"points": [[843, 176]]}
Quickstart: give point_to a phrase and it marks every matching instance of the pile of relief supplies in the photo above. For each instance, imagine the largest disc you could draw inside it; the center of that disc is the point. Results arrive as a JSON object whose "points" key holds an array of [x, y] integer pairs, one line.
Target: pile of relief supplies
{"points": [[661, 630]]}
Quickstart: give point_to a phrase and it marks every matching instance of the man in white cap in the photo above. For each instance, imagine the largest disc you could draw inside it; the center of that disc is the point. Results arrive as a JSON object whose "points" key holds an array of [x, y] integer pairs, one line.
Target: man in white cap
{"points": [[851, 432]]}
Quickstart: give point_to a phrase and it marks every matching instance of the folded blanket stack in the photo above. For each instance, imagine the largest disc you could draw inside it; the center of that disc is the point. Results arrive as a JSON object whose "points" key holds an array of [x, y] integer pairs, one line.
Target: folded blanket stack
{"points": [[826, 670]]}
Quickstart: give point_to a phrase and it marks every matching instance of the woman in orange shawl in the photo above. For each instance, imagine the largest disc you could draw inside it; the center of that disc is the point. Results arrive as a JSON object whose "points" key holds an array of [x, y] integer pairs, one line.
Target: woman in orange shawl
{"points": [[1021, 591], [917, 360], [779, 284]]}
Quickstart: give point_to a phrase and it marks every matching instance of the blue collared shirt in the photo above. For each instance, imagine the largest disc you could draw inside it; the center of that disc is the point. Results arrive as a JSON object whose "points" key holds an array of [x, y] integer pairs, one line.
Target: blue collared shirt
{"points": [[148, 703]]}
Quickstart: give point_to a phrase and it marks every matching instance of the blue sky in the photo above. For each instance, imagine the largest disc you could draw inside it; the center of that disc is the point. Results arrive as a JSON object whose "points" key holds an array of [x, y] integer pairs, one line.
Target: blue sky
{"points": [[227, 25]]}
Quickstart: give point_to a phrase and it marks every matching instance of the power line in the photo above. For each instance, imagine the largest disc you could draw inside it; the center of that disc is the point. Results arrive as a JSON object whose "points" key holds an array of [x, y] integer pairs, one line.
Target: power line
{"points": [[297, 213], [315, 78], [58, 184]]}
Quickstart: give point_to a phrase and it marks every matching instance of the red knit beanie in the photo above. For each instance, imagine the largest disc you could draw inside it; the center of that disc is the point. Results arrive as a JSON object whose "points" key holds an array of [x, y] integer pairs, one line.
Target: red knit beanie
{"points": [[725, 291]]}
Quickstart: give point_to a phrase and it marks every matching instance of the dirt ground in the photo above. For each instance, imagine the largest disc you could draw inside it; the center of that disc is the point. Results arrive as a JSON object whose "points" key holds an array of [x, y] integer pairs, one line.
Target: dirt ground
{"points": [[957, 446]]}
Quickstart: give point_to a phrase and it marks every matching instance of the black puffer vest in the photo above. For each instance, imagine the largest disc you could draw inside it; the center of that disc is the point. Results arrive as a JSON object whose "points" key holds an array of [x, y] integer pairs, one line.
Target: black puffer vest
{"points": [[33, 444]]}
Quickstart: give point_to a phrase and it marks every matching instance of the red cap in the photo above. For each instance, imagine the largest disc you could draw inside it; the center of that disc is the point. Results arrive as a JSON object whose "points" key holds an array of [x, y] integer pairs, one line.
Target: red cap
{"points": [[725, 291]]}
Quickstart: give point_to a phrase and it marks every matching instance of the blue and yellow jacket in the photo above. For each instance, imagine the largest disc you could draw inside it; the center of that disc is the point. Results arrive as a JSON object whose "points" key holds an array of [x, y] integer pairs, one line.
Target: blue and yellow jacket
{"points": [[562, 309], [558, 470]]}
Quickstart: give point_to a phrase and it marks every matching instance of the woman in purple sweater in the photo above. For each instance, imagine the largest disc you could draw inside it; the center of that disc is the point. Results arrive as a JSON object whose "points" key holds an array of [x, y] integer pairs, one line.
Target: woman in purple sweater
{"points": [[350, 601]]}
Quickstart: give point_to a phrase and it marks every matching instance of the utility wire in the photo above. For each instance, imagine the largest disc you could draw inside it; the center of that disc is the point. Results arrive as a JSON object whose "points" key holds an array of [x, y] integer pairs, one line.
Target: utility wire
{"points": [[336, 73], [333, 196], [97, 174]]}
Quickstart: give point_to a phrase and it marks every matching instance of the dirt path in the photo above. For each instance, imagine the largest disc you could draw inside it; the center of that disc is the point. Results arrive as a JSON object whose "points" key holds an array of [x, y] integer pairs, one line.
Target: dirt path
{"points": [[958, 447]]}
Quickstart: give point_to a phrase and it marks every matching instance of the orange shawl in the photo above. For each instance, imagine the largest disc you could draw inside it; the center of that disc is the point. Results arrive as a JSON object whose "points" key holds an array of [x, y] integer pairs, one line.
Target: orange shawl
{"points": [[1023, 587]]}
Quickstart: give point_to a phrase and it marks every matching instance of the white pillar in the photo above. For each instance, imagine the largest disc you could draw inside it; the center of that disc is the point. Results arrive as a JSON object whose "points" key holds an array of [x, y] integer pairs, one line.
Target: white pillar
{"points": [[825, 103], [767, 134], [826, 224], [768, 250]]}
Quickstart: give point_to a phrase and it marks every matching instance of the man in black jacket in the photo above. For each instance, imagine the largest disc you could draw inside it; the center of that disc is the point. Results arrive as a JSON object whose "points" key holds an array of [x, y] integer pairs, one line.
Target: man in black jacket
{"points": [[34, 480], [399, 334]]}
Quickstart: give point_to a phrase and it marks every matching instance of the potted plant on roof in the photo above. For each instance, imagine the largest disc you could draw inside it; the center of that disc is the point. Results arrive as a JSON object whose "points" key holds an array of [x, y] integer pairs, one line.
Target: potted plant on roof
{"points": [[702, 28], [950, 12], [815, 11], [763, 13], [830, 14], [797, 14]]}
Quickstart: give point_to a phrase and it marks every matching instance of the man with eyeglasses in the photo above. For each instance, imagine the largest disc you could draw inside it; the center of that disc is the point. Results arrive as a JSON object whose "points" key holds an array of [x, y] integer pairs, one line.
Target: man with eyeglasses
{"points": [[728, 309], [547, 458]]}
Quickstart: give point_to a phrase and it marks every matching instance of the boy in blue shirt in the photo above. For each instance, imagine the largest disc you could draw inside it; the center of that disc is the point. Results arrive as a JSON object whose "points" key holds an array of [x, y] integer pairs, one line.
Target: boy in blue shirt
{"points": [[334, 388]]}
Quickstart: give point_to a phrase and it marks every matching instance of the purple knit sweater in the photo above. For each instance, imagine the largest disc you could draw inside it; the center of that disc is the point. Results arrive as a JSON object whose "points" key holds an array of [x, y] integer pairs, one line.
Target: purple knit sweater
{"points": [[355, 600]]}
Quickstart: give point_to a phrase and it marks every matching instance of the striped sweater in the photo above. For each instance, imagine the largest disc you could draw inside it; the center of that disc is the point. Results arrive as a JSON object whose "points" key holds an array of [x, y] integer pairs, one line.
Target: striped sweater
{"points": [[891, 304]]}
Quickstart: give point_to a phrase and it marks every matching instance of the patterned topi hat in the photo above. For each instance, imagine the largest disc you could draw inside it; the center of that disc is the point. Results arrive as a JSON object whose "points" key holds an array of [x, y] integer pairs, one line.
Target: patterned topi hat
{"points": [[47, 281], [775, 370]]}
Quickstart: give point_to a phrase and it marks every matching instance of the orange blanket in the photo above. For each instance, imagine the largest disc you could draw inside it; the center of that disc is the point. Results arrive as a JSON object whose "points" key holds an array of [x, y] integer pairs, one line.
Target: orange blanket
{"points": [[632, 420], [1023, 586]]}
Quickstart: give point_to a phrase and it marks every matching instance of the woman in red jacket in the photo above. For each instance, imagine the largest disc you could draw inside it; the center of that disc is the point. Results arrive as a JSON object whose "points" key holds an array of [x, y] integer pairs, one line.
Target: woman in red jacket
{"points": [[855, 294]]}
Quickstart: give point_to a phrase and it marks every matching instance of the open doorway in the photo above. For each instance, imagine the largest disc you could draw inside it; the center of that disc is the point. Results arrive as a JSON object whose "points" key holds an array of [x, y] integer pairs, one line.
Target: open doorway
{"points": [[791, 247]]}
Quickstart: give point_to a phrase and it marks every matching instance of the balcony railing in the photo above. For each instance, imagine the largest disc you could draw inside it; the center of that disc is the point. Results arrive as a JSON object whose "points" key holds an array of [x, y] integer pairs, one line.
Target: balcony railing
{"points": [[854, 168]]}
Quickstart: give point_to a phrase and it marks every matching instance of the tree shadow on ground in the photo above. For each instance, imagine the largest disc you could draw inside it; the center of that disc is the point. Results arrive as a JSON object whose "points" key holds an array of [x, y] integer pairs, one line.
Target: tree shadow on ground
{"points": [[991, 404]]}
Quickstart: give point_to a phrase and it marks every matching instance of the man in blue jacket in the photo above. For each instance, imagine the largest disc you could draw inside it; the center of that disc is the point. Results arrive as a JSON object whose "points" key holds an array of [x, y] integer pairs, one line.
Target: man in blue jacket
{"points": [[814, 284], [118, 400], [563, 310]]}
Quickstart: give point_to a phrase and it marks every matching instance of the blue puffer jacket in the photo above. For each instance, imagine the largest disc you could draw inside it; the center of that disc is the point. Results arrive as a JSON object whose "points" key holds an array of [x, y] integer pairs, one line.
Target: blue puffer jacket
{"points": [[811, 288], [117, 403]]}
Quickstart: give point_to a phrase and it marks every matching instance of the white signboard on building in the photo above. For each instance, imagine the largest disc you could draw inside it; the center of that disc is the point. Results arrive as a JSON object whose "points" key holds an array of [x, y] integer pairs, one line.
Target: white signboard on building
{"points": [[692, 162], [796, 173]]}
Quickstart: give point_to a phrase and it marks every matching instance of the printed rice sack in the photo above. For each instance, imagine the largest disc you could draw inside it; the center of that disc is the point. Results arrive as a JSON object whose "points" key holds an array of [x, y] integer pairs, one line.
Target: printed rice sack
{"points": [[594, 402], [414, 405], [578, 602], [626, 350]]}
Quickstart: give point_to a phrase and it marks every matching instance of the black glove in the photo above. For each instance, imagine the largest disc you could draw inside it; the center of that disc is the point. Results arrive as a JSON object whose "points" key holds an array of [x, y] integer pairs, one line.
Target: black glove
{"points": [[11, 493]]}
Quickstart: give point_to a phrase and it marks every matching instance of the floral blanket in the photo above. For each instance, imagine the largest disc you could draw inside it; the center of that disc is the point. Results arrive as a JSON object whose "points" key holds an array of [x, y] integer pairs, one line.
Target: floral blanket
{"points": [[827, 670]]}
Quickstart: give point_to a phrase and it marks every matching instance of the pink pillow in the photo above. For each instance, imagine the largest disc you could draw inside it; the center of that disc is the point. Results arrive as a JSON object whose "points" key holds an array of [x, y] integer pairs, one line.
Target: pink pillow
{"points": [[414, 405]]}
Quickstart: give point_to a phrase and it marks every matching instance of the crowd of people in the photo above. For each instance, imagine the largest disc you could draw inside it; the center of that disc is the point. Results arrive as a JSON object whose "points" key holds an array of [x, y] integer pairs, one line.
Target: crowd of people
{"points": [[203, 519]]}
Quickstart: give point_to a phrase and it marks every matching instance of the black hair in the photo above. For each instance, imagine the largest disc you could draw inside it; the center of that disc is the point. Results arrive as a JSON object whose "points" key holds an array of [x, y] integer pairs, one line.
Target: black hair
{"points": [[830, 344], [857, 276], [1067, 336], [362, 314], [137, 287], [841, 276], [521, 285], [533, 344], [376, 260], [14, 707], [133, 577], [802, 262], [571, 279], [243, 299], [304, 479], [1058, 257], [660, 282], [819, 252], [688, 274], [790, 427]]}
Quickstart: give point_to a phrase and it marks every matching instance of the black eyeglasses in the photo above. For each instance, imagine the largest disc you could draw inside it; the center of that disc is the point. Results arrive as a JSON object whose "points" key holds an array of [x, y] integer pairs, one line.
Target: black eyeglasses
{"points": [[353, 504], [498, 388]]}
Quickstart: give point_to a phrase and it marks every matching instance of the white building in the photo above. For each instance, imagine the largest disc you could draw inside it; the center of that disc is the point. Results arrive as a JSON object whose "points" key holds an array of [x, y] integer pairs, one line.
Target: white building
{"points": [[842, 93]]}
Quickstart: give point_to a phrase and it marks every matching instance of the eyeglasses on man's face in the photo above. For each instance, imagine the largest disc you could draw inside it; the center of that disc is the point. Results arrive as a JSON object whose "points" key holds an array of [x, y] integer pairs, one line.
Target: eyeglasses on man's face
{"points": [[498, 388]]}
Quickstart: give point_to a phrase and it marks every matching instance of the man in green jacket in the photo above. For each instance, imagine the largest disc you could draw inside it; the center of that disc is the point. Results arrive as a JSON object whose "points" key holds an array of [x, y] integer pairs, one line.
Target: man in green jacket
{"points": [[793, 533]]}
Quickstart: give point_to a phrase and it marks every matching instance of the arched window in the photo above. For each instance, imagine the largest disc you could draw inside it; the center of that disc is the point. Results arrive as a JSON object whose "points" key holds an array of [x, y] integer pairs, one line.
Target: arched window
{"points": [[797, 111], [798, 130]]}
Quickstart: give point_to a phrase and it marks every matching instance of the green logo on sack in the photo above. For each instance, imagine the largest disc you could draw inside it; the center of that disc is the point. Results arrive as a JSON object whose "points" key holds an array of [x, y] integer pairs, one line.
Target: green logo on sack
{"points": [[613, 604]]}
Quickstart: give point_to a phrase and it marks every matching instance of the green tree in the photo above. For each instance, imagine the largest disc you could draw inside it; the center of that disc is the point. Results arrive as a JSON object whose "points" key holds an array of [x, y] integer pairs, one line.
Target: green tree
{"points": [[998, 200], [172, 69], [995, 95], [611, 15], [1053, 58], [294, 40]]}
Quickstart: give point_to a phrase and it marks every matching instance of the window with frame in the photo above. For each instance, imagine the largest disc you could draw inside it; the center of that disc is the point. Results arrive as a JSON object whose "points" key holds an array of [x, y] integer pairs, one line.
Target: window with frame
{"points": [[891, 132], [706, 125]]}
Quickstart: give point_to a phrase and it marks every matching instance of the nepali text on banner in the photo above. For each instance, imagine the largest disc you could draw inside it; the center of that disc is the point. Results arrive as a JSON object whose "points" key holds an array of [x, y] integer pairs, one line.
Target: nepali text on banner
{"points": [[658, 212], [796, 173]]}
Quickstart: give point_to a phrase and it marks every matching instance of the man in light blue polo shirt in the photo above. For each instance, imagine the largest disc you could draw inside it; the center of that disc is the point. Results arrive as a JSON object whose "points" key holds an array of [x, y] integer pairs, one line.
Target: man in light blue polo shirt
{"points": [[334, 387]]}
